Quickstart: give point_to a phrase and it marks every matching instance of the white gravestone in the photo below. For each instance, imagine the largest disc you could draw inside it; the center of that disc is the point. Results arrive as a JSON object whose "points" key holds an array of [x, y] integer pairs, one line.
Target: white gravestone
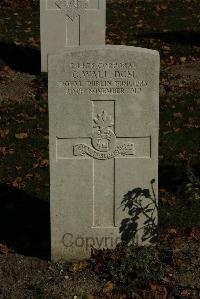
{"points": [[66, 23], [103, 118]]}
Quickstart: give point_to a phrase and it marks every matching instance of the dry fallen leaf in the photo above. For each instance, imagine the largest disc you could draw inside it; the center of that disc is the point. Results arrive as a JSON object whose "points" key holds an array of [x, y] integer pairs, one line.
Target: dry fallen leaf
{"points": [[157, 8], [183, 59], [159, 291], [11, 151], [35, 165], [108, 287], [170, 234], [21, 135], [4, 133], [3, 150], [166, 48], [18, 43], [162, 190], [140, 25], [44, 95], [44, 163], [163, 6], [153, 287], [183, 156], [185, 293], [195, 234], [29, 175], [18, 168], [42, 109], [4, 249], [17, 182], [75, 267], [178, 114]]}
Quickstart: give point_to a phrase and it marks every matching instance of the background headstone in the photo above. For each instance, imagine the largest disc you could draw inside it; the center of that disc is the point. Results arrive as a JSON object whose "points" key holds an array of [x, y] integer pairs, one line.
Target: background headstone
{"points": [[103, 120], [66, 23]]}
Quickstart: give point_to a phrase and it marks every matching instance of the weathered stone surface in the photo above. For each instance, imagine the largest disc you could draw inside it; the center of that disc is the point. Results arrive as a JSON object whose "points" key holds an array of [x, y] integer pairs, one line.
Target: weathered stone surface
{"points": [[66, 23], [103, 113]]}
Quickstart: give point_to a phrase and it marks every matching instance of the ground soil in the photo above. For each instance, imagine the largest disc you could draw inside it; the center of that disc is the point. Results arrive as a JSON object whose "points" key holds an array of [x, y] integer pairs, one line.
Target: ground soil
{"points": [[28, 277], [28, 273], [17, 88]]}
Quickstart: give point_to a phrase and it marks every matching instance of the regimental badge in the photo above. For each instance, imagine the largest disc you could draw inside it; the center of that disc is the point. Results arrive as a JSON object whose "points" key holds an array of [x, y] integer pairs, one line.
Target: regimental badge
{"points": [[72, 8], [104, 141]]}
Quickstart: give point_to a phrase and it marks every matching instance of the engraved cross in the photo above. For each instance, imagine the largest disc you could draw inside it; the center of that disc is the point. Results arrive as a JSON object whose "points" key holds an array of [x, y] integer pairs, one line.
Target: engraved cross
{"points": [[104, 147], [75, 13]]}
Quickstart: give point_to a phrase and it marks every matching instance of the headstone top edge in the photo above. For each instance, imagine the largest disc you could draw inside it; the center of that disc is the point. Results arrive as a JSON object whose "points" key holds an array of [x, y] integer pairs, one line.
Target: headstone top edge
{"points": [[104, 47]]}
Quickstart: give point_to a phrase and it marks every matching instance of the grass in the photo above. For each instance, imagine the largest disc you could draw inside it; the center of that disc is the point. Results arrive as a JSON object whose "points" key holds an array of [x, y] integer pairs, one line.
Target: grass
{"points": [[179, 118], [24, 163], [174, 30], [20, 22], [160, 25]]}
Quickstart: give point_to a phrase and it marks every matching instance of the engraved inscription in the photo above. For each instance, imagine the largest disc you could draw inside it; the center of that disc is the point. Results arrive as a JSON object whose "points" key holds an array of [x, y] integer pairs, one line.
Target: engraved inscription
{"points": [[121, 150], [103, 78], [104, 141], [72, 8]]}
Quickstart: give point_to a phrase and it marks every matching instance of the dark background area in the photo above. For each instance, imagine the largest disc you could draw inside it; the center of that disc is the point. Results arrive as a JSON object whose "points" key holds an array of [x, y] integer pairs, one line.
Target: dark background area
{"points": [[172, 28]]}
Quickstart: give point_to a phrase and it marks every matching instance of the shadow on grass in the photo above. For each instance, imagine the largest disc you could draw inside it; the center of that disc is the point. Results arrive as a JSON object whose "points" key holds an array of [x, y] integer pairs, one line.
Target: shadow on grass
{"points": [[24, 223], [182, 212], [181, 37], [141, 205], [20, 58]]}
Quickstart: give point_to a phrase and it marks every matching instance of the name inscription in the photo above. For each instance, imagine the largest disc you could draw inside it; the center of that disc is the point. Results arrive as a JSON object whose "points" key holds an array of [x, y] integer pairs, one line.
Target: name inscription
{"points": [[103, 78]]}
